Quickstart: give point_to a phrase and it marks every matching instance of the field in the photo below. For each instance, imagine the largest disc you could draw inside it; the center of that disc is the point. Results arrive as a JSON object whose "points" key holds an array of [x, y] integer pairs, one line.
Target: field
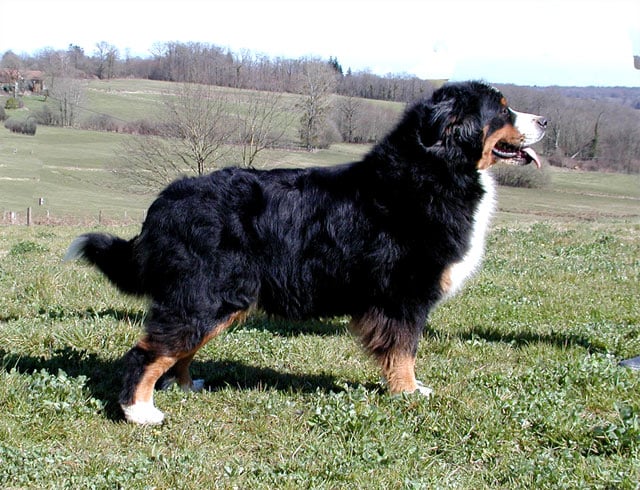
{"points": [[524, 363]]}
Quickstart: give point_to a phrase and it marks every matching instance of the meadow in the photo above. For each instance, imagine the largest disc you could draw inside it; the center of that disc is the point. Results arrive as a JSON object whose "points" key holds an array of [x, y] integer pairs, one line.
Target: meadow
{"points": [[524, 363]]}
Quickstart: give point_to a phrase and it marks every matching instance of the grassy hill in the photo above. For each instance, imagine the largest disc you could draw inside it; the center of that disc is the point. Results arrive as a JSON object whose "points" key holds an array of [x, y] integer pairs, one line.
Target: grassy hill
{"points": [[71, 169]]}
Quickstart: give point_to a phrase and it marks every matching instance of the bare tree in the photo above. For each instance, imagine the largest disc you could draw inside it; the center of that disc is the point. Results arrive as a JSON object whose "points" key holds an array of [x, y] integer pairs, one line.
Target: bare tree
{"points": [[12, 66], [106, 55], [67, 94], [192, 139], [261, 124], [199, 121], [348, 111], [317, 84]]}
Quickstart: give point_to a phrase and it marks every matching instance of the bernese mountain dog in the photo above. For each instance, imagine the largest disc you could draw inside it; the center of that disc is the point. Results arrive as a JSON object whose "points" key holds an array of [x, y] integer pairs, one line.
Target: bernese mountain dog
{"points": [[381, 240]]}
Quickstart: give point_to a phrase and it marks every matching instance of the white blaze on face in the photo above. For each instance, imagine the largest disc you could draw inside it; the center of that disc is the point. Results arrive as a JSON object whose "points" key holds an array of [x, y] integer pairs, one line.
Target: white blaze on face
{"points": [[530, 126]]}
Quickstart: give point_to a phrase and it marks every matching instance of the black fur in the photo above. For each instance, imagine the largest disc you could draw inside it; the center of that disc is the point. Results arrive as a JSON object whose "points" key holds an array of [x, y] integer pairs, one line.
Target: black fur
{"points": [[369, 239], [114, 257]]}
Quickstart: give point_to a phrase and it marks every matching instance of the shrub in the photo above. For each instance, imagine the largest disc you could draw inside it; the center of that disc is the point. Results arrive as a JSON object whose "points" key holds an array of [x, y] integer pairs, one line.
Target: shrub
{"points": [[28, 126], [144, 127], [101, 122], [3, 114], [527, 176], [46, 117], [13, 103]]}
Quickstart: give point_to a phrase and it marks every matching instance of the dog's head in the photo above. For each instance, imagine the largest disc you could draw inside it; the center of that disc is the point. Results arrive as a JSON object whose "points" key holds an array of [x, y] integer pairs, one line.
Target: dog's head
{"points": [[475, 119]]}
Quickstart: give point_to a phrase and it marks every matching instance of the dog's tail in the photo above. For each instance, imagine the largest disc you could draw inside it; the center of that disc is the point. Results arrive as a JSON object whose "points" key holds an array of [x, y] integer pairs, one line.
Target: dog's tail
{"points": [[113, 256]]}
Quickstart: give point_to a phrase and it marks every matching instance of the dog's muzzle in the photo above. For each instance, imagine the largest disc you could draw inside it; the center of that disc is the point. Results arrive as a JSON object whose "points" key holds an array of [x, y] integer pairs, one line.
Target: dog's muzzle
{"points": [[531, 129]]}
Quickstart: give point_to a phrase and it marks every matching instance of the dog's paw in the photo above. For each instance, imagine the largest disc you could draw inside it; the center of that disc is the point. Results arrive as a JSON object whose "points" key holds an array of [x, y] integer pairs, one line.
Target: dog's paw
{"points": [[144, 413], [196, 385], [419, 389], [423, 390]]}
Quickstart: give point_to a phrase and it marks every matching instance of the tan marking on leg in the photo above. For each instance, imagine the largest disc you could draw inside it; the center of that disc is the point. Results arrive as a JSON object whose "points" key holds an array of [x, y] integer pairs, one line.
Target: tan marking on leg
{"points": [[183, 377], [238, 316], [152, 373], [390, 351], [181, 368], [399, 371]]}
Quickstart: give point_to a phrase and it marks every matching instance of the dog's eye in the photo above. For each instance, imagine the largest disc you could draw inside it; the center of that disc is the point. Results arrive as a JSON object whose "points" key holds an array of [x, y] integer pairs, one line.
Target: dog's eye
{"points": [[504, 111]]}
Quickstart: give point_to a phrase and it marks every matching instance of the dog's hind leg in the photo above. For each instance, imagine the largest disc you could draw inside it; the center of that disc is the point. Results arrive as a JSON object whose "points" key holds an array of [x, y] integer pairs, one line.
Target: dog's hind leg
{"points": [[154, 356], [144, 365], [180, 371]]}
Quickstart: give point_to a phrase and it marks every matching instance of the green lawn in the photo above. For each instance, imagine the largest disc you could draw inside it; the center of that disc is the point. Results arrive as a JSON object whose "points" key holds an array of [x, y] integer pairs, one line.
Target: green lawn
{"points": [[528, 393]]}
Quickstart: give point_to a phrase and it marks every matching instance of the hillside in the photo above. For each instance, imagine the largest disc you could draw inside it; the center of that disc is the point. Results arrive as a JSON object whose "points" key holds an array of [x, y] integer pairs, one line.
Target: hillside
{"points": [[71, 169]]}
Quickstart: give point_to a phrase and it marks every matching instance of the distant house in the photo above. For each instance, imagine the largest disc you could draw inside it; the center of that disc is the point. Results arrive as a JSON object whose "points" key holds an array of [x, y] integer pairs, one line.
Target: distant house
{"points": [[22, 81], [34, 81]]}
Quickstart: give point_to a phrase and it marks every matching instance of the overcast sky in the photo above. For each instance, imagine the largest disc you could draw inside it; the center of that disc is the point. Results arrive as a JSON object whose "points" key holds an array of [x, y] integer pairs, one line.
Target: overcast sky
{"points": [[526, 42]]}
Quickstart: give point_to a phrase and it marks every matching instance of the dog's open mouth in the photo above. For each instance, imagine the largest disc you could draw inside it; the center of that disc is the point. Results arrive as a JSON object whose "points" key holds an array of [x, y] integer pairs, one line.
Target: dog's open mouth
{"points": [[513, 155]]}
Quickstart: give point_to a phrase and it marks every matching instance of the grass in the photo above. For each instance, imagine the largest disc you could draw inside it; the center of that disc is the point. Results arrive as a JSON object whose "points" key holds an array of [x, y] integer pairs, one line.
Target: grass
{"points": [[524, 364], [70, 169], [528, 393]]}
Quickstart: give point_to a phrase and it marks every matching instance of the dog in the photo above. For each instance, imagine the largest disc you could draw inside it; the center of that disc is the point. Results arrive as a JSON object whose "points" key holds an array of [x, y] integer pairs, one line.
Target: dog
{"points": [[381, 240]]}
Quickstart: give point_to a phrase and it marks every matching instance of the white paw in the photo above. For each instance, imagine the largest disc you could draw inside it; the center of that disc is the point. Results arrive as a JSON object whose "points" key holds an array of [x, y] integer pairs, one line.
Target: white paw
{"points": [[143, 413], [423, 390], [196, 385]]}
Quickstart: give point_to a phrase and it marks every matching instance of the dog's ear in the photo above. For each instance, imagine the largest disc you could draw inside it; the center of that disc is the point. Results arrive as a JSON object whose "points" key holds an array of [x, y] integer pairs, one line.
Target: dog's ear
{"points": [[465, 131], [435, 120], [449, 119]]}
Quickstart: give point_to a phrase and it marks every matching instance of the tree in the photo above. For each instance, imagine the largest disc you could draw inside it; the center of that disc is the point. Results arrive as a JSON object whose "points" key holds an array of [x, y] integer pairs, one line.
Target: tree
{"points": [[348, 111], [76, 56], [12, 65], [260, 124], [192, 139], [337, 67], [68, 94], [317, 84], [106, 56]]}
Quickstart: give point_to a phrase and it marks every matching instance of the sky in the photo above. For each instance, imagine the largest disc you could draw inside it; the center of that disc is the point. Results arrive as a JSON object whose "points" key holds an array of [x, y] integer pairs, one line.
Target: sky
{"points": [[524, 42]]}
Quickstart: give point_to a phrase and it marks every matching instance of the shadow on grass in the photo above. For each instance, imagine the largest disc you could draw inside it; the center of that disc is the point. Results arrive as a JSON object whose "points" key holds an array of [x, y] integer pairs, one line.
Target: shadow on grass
{"points": [[118, 314], [219, 375], [525, 338], [288, 328], [104, 375], [256, 321]]}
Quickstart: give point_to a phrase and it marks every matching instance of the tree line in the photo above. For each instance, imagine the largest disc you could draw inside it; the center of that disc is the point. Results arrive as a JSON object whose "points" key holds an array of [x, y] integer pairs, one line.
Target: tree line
{"points": [[212, 65], [588, 128]]}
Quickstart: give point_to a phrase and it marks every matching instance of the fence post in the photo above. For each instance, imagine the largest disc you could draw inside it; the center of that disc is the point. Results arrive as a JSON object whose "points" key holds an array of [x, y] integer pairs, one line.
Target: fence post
{"points": [[29, 216]]}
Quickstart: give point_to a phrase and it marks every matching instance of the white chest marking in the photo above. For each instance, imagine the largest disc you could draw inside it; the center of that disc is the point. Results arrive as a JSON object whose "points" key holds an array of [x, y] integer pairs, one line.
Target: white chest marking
{"points": [[456, 274]]}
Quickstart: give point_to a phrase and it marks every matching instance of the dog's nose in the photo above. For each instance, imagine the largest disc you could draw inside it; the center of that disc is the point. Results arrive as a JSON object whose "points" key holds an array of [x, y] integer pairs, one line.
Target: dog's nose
{"points": [[542, 122]]}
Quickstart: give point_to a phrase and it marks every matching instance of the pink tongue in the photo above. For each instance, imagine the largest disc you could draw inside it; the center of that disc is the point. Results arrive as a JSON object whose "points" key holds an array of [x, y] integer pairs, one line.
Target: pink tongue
{"points": [[532, 154]]}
